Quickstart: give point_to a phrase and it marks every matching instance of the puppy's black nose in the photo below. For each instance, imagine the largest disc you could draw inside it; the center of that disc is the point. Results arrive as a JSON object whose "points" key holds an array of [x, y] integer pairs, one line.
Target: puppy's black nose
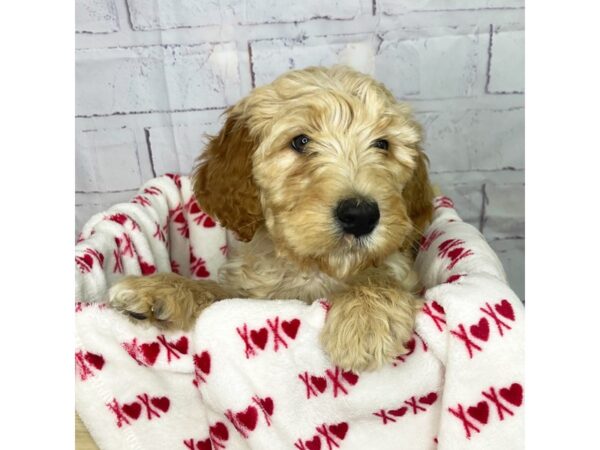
{"points": [[357, 216]]}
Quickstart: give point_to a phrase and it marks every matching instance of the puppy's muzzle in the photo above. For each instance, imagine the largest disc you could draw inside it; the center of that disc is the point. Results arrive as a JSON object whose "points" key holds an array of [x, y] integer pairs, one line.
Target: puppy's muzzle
{"points": [[357, 216]]}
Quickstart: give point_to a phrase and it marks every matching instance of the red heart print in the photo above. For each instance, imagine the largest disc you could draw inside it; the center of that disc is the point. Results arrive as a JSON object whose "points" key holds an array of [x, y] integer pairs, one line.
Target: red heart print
{"points": [[181, 345], [339, 430], [150, 352], [202, 362], [410, 345], [208, 222], [481, 330], [429, 399], [479, 412], [179, 218], [259, 337], [453, 278], [398, 412], [204, 445], [194, 208], [314, 443], [319, 382], [350, 377], [455, 253], [439, 308], [219, 431], [95, 360], [161, 403], [248, 417], [290, 327], [267, 404], [201, 272], [505, 308], [147, 268], [133, 410], [513, 394]]}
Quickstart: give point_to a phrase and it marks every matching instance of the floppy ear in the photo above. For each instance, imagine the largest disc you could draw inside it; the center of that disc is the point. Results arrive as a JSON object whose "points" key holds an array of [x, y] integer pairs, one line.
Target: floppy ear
{"points": [[418, 195], [222, 178]]}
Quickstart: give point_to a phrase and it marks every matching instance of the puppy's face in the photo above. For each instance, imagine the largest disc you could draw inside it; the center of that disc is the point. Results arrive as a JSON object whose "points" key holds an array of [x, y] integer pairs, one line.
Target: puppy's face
{"points": [[328, 161]]}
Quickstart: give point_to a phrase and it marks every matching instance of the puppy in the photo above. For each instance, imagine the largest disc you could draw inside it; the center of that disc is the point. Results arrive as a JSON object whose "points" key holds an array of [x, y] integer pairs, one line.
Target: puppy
{"points": [[321, 175]]}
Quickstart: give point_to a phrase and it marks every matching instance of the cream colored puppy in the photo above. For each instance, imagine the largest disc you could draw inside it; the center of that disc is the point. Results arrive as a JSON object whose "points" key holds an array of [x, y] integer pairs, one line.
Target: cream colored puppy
{"points": [[322, 175]]}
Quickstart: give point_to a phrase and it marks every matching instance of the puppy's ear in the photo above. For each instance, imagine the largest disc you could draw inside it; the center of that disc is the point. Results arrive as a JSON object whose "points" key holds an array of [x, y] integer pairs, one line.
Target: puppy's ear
{"points": [[418, 195], [222, 178]]}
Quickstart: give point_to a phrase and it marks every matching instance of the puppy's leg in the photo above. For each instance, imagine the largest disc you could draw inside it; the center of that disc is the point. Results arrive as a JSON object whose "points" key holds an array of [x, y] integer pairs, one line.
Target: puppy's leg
{"points": [[368, 325], [167, 300]]}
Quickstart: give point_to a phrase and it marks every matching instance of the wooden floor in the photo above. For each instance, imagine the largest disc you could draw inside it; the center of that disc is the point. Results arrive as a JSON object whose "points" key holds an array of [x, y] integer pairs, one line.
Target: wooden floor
{"points": [[83, 440]]}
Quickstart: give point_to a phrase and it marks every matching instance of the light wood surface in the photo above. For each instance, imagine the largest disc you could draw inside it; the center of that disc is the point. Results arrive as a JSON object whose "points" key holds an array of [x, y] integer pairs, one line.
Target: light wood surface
{"points": [[83, 440]]}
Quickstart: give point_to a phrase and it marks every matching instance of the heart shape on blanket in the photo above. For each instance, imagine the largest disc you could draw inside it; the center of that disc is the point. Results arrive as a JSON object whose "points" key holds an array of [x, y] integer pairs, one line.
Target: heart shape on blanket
{"points": [[319, 382], [150, 352], [248, 417], [429, 399], [95, 360], [161, 403], [439, 308], [133, 410], [398, 412], [314, 443], [339, 429], [505, 309], [410, 346], [479, 412], [290, 327], [350, 377], [147, 268], [513, 394], [181, 345], [204, 445], [202, 362], [267, 404], [481, 330], [219, 431], [259, 337]]}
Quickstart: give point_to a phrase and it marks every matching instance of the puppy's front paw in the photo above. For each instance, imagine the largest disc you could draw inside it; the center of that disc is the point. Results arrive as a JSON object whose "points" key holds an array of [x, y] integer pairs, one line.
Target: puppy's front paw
{"points": [[166, 300], [365, 330]]}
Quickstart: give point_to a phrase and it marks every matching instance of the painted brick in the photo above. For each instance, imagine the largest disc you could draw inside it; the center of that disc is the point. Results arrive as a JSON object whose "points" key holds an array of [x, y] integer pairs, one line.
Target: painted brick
{"points": [[474, 139], [165, 14], [450, 65], [96, 16], [174, 148], [392, 7], [272, 57], [507, 64], [411, 68], [512, 254], [106, 160], [505, 211], [467, 198], [158, 78], [152, 15]]}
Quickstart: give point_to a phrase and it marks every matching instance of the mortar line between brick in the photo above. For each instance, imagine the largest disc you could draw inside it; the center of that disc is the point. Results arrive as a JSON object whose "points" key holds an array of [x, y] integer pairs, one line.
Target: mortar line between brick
{"points": [[484, 202], [251, 63], [489, 61], [149, 146]]}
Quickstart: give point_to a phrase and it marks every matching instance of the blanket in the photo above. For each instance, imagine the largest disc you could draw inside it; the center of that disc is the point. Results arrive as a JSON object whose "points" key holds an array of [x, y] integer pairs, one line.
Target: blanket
{"points": [[251, 374]]}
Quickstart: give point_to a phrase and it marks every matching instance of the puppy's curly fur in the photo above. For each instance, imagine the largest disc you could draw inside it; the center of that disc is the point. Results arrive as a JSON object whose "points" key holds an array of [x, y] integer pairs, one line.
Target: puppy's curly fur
{"points": [[281, 202]]}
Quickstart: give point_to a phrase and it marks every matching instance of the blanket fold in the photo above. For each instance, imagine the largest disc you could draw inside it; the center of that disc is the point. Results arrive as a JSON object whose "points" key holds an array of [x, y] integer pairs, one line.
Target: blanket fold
{"points": [[252, 373]]}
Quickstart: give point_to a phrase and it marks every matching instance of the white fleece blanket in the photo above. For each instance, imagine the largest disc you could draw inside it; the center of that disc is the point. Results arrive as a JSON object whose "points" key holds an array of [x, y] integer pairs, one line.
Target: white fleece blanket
{"points": [[252, 373]]}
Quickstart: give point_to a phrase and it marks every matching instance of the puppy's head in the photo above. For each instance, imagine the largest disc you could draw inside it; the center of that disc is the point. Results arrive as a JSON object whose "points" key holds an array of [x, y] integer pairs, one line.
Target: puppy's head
{"points": [[328, 162]]}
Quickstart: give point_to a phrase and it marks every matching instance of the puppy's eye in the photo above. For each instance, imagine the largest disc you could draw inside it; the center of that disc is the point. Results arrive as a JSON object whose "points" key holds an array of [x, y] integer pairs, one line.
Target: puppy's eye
{"points": [[380, 143], [299, 142]]}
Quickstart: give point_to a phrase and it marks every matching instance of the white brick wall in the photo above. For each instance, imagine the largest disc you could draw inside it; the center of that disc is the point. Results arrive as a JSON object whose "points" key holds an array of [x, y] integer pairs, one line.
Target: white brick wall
{"points": [[154, 75]]}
